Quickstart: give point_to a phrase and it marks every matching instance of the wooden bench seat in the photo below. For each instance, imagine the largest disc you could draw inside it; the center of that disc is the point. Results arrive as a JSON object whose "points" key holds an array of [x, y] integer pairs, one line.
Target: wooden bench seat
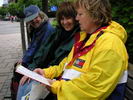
{"points": [[129, 86]]}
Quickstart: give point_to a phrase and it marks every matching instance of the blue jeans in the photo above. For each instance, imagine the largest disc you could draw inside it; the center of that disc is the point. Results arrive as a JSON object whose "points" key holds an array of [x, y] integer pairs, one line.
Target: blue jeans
{"points": [[24, 89]]}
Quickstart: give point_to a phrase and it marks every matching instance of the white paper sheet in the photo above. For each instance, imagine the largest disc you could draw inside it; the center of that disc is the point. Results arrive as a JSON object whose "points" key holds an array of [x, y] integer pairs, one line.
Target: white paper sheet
{"points": [[24, 71]]}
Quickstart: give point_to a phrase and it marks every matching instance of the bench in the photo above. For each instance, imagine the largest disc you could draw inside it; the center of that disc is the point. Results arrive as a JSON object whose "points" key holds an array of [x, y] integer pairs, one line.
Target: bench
{"points": [[129, 85]]}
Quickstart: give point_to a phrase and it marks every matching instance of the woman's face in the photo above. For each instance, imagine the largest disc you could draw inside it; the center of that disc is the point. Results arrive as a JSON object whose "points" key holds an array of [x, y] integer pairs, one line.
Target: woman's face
{"points": [[85, 21], [36, 22], [67, 23]]}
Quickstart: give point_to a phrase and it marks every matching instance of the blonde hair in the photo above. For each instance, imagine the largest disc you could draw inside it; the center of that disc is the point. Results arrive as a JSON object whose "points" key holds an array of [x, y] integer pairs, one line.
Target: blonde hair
{"points": [[43, 16], [99, 10]]}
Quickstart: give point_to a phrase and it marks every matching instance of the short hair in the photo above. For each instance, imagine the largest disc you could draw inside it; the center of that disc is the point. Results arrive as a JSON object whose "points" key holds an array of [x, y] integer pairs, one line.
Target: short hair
{"points": [[66, 9], [99, 10]]}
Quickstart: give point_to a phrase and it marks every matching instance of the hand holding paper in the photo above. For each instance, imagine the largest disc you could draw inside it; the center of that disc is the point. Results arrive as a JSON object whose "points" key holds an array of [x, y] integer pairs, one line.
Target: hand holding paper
{"points": [[39, 71], [22, 70]]}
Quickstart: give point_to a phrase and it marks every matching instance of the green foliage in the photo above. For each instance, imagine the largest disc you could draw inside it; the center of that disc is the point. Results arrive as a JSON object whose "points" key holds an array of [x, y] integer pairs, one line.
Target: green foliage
{"points": [[54, 23], [24, 3], [122, 13], [17, 8], [56, 2], [12, 8], [3, 11]]}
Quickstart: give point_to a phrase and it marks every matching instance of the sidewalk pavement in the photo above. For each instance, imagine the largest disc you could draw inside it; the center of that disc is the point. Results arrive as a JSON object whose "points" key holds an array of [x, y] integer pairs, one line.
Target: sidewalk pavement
{"points": [[10, 52]]}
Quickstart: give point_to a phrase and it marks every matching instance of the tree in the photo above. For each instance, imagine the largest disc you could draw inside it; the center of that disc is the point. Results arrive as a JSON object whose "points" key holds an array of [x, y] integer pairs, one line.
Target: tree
{"points": [[17, 8], [122, 13], [45, 6], [13, 8], [3, 11]]}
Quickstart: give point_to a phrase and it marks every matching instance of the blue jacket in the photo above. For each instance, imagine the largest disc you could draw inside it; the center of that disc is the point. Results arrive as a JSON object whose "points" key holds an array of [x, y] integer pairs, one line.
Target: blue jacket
{"points": [[39, 36]]}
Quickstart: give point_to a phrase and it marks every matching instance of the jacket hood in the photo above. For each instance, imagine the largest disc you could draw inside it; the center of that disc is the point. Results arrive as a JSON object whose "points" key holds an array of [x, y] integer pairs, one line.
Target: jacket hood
{"points": [[118, 30]]}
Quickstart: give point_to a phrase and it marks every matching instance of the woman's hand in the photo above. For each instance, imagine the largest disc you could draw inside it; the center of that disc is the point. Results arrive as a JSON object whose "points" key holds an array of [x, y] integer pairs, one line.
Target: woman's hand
{"points": [[24, 79], [50, 82], [40, 71], [19, 62]]}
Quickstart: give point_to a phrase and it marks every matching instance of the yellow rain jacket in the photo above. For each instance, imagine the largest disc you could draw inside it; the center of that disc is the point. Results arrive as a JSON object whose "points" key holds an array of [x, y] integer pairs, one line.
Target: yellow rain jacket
{"points": [[94, 75]]}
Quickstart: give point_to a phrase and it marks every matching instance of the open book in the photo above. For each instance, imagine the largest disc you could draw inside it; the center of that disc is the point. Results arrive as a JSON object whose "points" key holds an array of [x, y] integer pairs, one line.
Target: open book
{"points": [[24, 71]]}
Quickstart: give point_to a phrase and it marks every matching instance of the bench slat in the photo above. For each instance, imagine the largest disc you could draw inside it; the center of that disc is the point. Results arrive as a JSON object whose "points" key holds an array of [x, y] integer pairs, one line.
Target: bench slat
{"points": [[129, 85], [129, 94], [130, 73]]}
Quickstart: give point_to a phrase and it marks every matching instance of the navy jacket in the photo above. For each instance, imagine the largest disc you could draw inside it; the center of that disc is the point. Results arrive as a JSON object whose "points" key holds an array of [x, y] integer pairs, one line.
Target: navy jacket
{"points": [[39, 36]]}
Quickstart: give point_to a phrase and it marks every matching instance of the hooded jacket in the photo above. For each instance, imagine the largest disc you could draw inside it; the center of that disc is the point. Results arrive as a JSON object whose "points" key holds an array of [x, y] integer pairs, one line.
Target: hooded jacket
{"points": [[95, 74]]}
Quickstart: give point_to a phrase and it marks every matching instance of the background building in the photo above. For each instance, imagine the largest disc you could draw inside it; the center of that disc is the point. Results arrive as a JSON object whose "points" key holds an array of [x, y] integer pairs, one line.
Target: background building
{"points": [[5, 3], [12, 1]]}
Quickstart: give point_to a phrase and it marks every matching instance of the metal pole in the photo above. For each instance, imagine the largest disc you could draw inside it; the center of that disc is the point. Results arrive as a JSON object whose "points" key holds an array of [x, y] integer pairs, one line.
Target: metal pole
{"points": [[23, 35]]}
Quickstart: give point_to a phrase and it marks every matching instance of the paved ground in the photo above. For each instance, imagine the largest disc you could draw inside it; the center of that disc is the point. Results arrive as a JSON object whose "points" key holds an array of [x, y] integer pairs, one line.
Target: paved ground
{"points": [[10, 52]]}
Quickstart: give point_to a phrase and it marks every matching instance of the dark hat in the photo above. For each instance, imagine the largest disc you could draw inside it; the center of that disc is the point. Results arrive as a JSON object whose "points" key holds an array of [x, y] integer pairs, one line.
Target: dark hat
{"points": [[31, 12]]}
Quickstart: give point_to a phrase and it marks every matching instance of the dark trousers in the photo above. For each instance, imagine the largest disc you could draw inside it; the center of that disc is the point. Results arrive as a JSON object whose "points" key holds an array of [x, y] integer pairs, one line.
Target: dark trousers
{"points": [[118, 93], [51, 96]]}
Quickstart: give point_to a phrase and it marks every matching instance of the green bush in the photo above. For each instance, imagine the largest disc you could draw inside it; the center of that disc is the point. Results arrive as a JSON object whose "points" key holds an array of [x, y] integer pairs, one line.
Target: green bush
{"points": [[122, 11], [54, 23], [3, 11]]}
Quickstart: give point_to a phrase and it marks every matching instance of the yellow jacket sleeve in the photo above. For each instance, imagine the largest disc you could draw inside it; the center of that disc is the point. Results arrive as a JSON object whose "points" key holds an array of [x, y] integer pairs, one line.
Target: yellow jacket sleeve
{"points": [[55, 71]]}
